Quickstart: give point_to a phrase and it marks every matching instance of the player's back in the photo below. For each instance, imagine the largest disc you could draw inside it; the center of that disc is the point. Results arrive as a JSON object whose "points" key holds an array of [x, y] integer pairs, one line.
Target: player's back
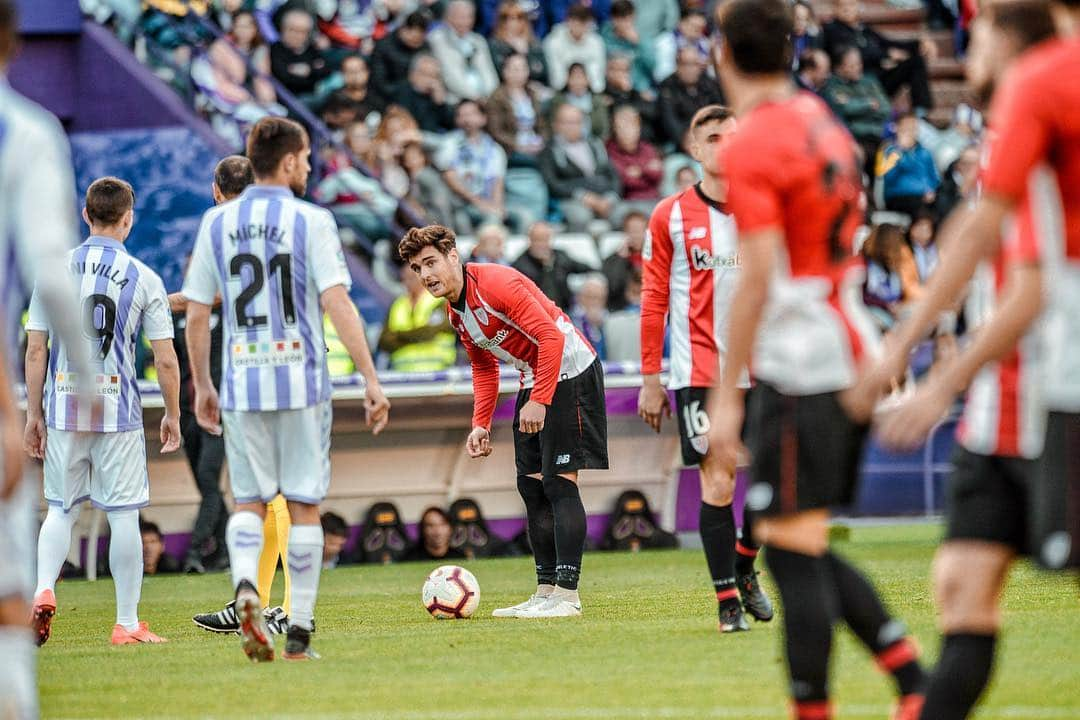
{"points": [[118, 297], [270, 255]]}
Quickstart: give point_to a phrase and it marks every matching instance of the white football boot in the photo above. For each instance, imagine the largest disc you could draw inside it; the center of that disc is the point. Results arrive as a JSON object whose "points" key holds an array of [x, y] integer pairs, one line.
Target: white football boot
{"points": [[515, 610], [553, 607]]}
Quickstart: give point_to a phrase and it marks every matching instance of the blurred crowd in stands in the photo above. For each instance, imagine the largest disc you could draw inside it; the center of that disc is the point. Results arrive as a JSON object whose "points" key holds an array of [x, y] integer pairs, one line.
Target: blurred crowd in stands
{"points": [[544, 131]]}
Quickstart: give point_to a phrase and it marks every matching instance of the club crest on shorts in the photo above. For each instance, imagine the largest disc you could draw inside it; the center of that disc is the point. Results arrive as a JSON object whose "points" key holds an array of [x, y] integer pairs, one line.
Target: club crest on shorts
{"points": [[700, 443]]}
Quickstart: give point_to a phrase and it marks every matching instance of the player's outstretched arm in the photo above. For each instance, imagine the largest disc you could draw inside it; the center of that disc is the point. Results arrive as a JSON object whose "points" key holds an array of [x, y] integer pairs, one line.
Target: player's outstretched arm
{"points": [[168, 372], [197, 335], [37, 358], [911, 422], [350, 328]]}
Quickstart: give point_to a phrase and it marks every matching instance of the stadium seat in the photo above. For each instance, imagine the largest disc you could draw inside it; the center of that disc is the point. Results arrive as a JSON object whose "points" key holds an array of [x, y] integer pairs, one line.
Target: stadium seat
{"points": [[465, 245], [580, 247], [515, 246], [610, 243]]}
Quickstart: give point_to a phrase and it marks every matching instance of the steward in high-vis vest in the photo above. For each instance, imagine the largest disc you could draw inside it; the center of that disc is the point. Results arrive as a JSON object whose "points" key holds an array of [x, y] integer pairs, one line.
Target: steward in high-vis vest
{"points": [[417, 332], [338, 360]]}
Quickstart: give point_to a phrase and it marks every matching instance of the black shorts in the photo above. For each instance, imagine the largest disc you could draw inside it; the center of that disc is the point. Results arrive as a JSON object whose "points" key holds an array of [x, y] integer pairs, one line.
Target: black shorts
{"points": [[693, 420], [1056, 500], [990, 498], [575, 428], [805, 452]]}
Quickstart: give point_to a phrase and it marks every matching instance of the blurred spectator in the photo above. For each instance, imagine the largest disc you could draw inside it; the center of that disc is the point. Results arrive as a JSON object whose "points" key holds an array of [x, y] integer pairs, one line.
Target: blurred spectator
{"points": [[357, 92], [577, 171], [224, 12], [397, 129], [636, 162], [621, 37], [814, 70], [589, 312], [686, 91], [677, 162], [433, 542], [655, 17], [474, 168], [575, 41], [335, 535], [337, 114], [946, 145], [910, 178], [514, 114], [428, 196], [922, 237], [860, 102], [958, 181], [172, 25], [463, 54], [513, 35], [294, 59], [892, 278], [424, 96], [689, 34], [621, 265], [622, 330], [620, 91], [547, 267], [417, 332], [155, 560], [684, 178], [490, 245], [807, 34], [339, 362], [392, 59], [894, 63], [357, 199], [578, 94], [247, 44], [348, 24]]}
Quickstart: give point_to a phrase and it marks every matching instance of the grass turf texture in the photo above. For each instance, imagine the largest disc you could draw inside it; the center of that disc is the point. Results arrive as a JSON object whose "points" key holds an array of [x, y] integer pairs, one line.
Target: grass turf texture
{"points": [[647, 647]]}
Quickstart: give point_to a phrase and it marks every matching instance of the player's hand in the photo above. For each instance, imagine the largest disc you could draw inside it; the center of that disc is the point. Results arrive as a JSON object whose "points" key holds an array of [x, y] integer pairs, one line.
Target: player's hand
{"points": [[207, 411], [12, 449], [653, 404], [531, 418], [907, 427], [725, 411], [376, 407], [170, 433], [34, 437], [875, 381], [478, 444]]}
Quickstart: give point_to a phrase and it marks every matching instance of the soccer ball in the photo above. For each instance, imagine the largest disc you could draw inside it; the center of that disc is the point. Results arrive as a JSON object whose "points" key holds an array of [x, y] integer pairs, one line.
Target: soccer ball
{"points": [[451, 592]]}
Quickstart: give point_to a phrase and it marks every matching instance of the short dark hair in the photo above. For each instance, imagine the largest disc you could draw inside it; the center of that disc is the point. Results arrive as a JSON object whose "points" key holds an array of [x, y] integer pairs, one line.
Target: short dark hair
{"points": [[418, 20], [1029, 21], [622, 8], [415, 240], [758, 35], [272, 139], [709, 113], [580, 12], [147, 527], [691, 11], [469, 101], [9, 27], [233, 174], [108, 199], [808, 60], [354, 56], [334, 524]]}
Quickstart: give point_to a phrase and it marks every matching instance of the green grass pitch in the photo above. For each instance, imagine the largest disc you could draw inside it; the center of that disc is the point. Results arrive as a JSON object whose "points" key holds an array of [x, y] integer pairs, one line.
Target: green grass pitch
{"points": [[647, 647]]}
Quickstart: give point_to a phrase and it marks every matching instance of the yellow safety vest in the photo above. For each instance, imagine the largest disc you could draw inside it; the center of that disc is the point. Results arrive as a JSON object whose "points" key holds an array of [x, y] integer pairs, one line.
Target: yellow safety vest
{"points": [[438, 353], [338, 359]]}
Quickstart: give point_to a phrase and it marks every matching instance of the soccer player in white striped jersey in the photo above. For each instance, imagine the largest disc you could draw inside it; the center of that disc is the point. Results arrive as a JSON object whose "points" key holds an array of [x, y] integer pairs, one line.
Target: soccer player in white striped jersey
{"points": [[37, 226], [277, 262], [88, 426]]}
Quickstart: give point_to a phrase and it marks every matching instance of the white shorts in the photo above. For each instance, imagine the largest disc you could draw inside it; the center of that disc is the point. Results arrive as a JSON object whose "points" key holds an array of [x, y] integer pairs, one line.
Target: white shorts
{"points": [[18, 530], [108, 469], [279, 451]]}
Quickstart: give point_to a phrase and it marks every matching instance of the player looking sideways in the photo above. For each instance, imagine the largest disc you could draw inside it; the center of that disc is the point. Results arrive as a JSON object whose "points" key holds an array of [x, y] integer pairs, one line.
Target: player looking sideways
{"points": [[94, 447], [37, 227], [691, 263], [278, 265], [560, 420], [795, 191], [1002, 502]]}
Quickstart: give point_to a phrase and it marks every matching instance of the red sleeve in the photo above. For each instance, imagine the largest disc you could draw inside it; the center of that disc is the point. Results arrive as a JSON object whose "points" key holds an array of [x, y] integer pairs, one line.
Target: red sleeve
{"points": [[485, 380], [753, 195], [1020, 135], [339, 35], [655, 288], [524, 305]]}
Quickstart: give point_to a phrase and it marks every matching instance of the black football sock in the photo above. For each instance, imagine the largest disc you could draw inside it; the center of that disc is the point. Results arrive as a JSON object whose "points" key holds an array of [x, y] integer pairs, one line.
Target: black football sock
{"points": [[717, 527], [885, 637], [541, 523], [962, 672], [809, 600], [746, 550], [570, 529]]}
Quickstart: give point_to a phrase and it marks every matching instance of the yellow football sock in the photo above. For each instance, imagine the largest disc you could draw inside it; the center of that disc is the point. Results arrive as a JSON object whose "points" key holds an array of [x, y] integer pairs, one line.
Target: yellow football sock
{"points": [[275, 546]]}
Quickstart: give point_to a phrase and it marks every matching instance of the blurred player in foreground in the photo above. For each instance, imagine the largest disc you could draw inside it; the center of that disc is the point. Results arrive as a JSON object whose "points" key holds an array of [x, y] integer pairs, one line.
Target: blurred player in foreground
{"points": [[560, 420], [795, 190], [690, 270], [277, 263]]}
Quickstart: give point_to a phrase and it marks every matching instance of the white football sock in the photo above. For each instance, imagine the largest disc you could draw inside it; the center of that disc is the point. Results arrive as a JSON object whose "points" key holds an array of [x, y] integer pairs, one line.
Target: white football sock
{"points": [[305, 564], [126, 565], [54, 543], [18, 688], [244, 536]]}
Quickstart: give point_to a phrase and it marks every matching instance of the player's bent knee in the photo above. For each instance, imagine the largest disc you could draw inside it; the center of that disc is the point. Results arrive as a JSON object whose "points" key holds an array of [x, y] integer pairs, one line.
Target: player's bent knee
{"points": [[804, 532], [571, 476], [967, 584]]}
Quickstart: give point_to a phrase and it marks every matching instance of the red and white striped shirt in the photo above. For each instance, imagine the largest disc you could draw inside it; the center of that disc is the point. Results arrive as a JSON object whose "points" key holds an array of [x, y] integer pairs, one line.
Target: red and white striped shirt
{"points": [[502, 315], [691, 266]]}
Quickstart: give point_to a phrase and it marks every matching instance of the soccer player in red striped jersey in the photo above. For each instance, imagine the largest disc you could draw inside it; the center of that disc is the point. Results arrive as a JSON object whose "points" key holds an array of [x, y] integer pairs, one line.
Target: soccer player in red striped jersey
{"points": [[691, 263], [1001, 502], [560, 419], [795, 191]]}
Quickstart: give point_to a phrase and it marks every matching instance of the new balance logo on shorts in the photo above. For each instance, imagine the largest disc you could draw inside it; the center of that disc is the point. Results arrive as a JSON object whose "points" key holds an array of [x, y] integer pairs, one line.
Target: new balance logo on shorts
{"points": [[562, 460]]}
